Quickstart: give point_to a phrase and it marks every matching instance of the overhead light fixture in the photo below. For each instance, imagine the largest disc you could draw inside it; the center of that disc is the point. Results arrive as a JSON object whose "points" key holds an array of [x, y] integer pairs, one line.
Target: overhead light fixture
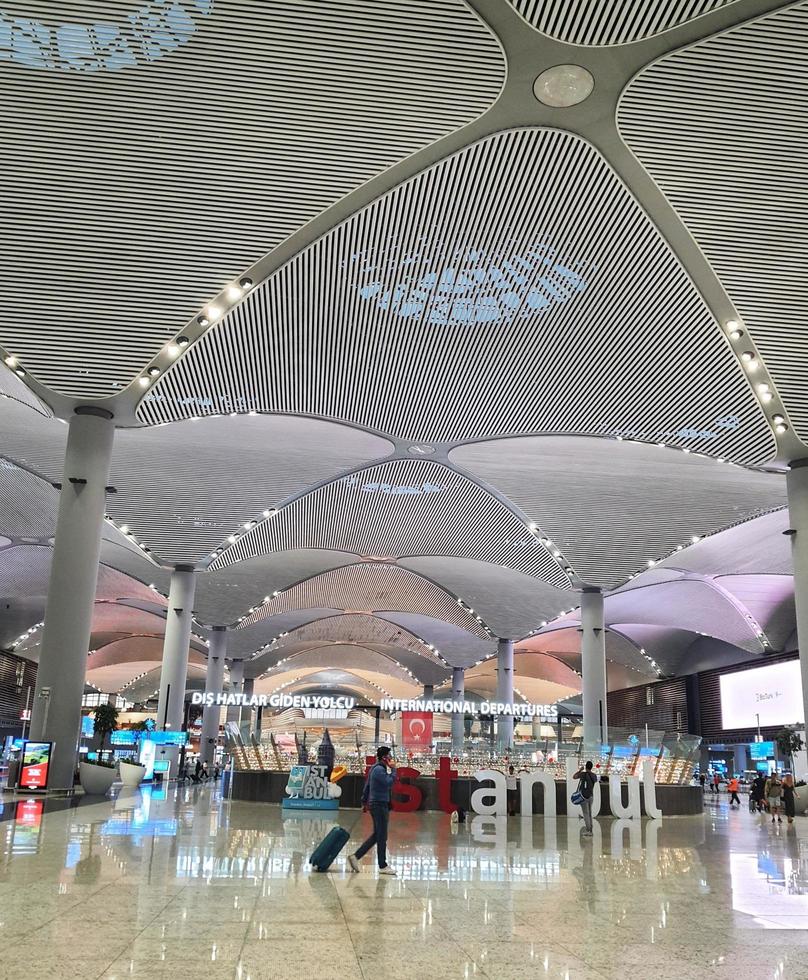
{"points": [[231, 538], [748, 356], [183, 342], [143, 381], [202, 320], [778, 419], [153, 371], [248, 525], [213, 313], [19, 372], [173, 350], [780, 429], [233, 293], [245, 282], [695, 538], [11, 360]]}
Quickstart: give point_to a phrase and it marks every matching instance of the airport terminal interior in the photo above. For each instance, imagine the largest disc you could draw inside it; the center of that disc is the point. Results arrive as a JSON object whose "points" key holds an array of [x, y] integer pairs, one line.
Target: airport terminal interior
{"points": [[403, 436]]}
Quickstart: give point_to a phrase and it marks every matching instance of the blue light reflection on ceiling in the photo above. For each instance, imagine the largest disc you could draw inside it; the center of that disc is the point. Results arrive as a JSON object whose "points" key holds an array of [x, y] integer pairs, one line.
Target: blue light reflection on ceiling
{"points": [[151, 32], [474, 286]]}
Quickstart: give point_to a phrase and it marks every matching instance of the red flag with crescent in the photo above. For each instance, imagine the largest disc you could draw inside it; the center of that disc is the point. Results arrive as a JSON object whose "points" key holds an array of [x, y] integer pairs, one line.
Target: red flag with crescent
{"points": [[416, 729]]}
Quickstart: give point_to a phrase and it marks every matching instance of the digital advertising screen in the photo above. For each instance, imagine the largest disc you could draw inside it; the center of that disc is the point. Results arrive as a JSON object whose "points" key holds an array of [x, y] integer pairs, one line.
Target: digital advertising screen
{"points": [[36, 758], [774, 693], [761, 750]]}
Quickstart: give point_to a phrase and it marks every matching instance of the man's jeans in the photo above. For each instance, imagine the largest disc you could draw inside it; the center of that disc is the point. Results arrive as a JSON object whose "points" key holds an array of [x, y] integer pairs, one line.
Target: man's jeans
{"points": [[586, 809], [381, 817]]}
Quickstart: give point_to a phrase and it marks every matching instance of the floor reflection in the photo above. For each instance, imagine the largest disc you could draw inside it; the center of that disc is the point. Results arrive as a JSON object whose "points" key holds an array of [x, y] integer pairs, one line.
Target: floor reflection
{"points": [[184, 881]]}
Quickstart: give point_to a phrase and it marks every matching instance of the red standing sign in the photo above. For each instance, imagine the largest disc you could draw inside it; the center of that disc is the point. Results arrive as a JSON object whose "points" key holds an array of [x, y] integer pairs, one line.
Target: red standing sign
{"points": [[35, 764]]}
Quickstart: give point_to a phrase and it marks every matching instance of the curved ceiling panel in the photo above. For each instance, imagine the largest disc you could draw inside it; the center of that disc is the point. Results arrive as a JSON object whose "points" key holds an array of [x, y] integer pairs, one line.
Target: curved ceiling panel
{"points": [[136, 649], [770, 599], [511, 603], [13, 387], [222, 128], [457, 645], [223, 596], [564, 643], [369, 630], [602, 23], [612, 506], [755, 547], [28, 504], [449, 308], [403, 507], [245, 643], [375, 683], [183, 488], [353, 657], [323, 681], [727, 146], [370, 588]]}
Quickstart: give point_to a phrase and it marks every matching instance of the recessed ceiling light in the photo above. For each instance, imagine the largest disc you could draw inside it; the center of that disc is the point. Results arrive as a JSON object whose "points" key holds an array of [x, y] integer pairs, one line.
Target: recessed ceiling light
{"points": [[183, 341], [732, 324], [154, 371], [11, 360], [778, 419], [780, 429], [143, 381], [202, 320], [245, 282], [233, 293], [213, 313], [748, 356], [173, 350], [231, 538], [695, 538]]}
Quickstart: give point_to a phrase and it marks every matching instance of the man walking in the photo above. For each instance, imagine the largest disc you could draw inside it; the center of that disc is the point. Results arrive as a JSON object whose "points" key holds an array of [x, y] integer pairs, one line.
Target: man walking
{"points": [[586, 787], [376, 796]]}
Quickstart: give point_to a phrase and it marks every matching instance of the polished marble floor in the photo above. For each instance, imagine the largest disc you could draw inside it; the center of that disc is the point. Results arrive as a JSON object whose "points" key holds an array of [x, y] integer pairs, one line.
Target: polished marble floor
{"points": [[178, 883]]}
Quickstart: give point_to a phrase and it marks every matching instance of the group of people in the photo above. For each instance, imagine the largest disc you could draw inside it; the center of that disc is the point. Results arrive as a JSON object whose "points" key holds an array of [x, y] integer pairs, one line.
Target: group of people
{"points": [[774, 794], [198, 772], [771, 794]]}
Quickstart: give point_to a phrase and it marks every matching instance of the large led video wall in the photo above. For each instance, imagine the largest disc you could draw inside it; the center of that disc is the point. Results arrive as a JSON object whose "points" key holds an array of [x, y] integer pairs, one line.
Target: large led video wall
{"points": [[774, 693]]}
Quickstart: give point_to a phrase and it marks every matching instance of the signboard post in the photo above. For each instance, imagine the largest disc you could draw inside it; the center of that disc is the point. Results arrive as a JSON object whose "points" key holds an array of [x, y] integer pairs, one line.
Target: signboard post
{"points": [[36, 758]]}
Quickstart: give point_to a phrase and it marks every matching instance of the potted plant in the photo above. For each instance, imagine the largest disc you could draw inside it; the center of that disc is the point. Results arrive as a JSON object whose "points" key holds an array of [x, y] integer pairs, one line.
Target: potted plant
{"points": [[789, 742], [132, 772], [97, 777]]}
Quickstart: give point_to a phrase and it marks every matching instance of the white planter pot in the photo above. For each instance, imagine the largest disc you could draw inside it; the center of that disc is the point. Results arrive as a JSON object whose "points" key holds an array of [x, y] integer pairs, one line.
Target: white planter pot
{"points": [[132, 775], [95, 780]]}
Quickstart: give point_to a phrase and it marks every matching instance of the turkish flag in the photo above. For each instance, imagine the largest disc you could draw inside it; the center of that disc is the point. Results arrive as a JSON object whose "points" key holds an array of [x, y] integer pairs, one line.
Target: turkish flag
{"points": [[416, 729]]}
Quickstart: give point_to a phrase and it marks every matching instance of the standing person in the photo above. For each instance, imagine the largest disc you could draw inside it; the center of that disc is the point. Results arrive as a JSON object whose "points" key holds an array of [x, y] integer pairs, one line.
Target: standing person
{"points": [[511, 784], [376, 796], [716, 782], [774, 793], [702, 781], [788, 796], [732, 789], [586, 787], [757, 793]]}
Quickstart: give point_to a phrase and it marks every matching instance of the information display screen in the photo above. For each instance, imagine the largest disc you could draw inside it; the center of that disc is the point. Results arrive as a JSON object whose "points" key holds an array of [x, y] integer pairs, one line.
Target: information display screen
{"points": [[761, 750], [36, 758], [774, 693]]}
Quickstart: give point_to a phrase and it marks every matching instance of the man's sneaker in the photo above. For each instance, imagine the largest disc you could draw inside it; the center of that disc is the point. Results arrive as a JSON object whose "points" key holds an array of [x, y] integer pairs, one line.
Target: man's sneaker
{"points": [[387, 871], [353, 860]]}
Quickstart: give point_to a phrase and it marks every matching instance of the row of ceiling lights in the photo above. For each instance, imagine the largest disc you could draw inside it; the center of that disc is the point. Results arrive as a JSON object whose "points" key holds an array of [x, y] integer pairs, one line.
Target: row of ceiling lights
{"points": [[212, 313], [26, 635], [752, 362]]}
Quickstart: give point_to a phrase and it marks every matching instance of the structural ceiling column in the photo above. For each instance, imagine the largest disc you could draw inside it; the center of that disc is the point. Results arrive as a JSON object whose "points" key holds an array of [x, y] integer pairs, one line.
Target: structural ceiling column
{"points": [[429, 690], [56, 712], [174, 672], [236, 687], [797, 485], [214, 683], [505, 693], [593, 668], [458, 694]]}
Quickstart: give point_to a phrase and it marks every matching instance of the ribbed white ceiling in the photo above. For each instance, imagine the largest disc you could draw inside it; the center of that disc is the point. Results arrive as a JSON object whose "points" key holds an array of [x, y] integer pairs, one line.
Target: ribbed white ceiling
{"points": [[370, 588], [27, 504], [183, 488], [611, 507], [132, 196], [723, 128], [515, 287], [608, 21], [404, 507]]}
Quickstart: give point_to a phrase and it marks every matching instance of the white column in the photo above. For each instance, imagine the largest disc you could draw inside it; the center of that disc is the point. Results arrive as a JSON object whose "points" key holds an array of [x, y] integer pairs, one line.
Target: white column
{"points": [[797, 485], [429, 690], [505, 693], [593, 668], [247, 688], [174, 670], [236, 687], [214, 682], [56, 711], [458, 694]]}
